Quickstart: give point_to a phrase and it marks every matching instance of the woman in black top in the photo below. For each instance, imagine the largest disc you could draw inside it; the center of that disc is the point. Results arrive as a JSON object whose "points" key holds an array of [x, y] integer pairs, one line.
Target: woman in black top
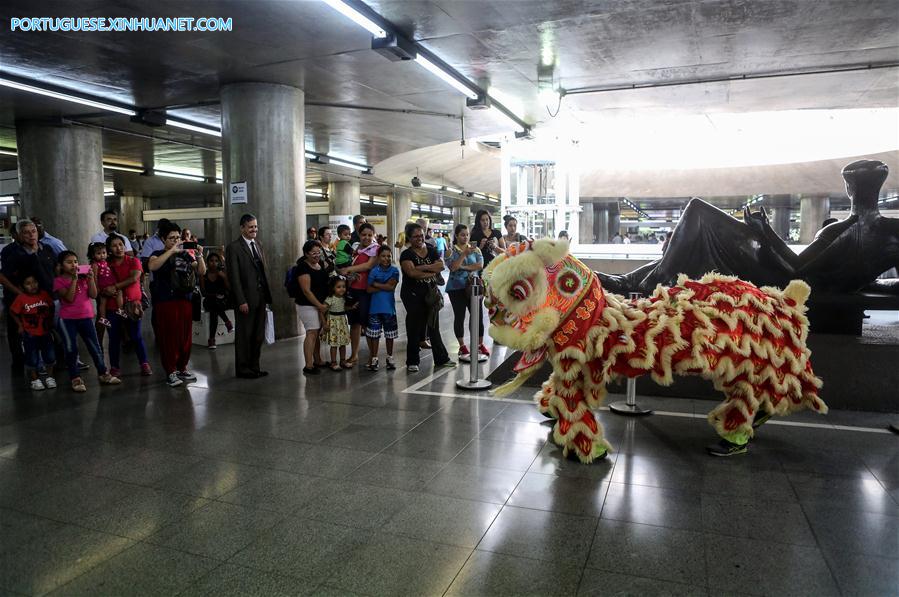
{"points": [[420, 265], [488, 240], [216, 295], [311, 308]]}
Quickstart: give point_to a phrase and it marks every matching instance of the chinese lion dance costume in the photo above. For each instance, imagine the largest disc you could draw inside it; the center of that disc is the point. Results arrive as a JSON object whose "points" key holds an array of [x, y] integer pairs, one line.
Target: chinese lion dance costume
{"points": [[749, 341]]}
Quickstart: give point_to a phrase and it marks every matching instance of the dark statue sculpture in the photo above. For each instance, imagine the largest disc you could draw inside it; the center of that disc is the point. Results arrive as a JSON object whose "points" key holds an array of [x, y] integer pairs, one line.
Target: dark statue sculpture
{"points": [[845, 258]]}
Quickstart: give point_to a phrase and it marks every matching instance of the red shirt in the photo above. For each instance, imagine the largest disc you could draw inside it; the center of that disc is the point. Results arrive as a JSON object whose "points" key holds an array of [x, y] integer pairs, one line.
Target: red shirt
{"points": [[361, 256], [122, 271], [35, 311]]}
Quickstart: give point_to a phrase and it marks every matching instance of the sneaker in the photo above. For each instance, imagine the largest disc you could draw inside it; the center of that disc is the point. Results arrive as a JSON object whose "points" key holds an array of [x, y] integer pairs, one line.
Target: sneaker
{"points": [[447, 365], [82, 366], [211, 345], [104, 322], [186, 376], [412, 368], [391, 364], [463, 351], [37, 385], [115, 372], [173, 380], [725, 448], [145, 369], [229, 326], [49, 383], [373, 365], [78, 385], [483, 350], [109, 380], [761, 417]]}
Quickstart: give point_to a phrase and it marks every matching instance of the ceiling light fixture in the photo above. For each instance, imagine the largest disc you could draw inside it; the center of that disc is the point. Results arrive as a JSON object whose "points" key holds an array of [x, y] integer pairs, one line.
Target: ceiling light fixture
{"points": [[181, 175], [315, 193], [447, 77], [433, 187], [345, 164], [7, 200], [67, 97], [357, 17], [122, 168], [453, 190], [193, 127], [11, 152]]}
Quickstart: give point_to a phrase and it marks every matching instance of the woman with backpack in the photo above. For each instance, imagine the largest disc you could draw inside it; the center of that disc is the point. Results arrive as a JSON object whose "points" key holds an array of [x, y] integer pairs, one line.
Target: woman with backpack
{"points": [[175, 274]]}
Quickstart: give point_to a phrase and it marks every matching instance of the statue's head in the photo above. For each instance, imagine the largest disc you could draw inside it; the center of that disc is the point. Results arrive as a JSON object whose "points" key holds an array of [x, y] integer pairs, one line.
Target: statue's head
{"points": [[864, 179], [530, 289]]}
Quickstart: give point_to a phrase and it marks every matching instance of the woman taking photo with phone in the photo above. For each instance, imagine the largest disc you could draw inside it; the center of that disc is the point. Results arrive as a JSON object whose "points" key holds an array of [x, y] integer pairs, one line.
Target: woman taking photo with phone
{"points": [[464, 262], [486, 238], [175, 273]]}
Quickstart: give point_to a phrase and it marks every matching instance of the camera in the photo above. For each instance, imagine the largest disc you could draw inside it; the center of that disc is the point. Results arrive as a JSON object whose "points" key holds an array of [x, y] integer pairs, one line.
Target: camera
{"points": [[83, 271]]}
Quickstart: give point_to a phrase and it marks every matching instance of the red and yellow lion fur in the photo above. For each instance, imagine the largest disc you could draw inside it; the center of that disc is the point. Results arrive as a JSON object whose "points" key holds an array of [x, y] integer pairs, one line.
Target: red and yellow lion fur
{"points": [[749, 341]]}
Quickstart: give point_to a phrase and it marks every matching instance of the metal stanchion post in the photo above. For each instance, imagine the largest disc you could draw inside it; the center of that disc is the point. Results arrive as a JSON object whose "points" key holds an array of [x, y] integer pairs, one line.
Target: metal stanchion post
{"points": [[473, 383], [629, 406]]}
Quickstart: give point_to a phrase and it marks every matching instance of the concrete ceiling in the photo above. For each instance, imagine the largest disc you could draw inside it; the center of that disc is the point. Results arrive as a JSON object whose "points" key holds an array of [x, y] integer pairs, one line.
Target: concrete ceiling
{"points": [[497, 43]]}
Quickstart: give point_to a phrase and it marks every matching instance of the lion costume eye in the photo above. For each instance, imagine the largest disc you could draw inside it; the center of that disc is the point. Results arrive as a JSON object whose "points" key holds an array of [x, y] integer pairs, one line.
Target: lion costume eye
{"points": [[521, 290]]}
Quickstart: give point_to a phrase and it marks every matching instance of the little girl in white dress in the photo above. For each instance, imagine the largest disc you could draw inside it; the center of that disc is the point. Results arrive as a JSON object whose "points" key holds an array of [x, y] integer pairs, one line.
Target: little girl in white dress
{"points": [[337, 329]]}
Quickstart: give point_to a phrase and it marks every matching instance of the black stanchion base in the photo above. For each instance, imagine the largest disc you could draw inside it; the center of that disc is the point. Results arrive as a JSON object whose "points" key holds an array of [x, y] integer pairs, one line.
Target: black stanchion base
{"points": [[478, 384], [623, 408]]}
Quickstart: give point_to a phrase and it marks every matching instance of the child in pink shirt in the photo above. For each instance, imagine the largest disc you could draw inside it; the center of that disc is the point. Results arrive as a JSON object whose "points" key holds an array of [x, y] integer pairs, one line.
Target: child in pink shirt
{"points": [[75, 291], [96, 254]]}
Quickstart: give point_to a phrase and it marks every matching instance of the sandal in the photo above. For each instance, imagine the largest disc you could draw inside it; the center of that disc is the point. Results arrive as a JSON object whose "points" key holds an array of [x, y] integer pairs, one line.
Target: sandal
{"points": [[349, 363], [335, 367]]}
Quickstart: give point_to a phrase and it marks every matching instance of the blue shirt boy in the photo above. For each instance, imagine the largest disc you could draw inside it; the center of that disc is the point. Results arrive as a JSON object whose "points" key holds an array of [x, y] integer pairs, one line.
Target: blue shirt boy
{"points": [[383, 301]]}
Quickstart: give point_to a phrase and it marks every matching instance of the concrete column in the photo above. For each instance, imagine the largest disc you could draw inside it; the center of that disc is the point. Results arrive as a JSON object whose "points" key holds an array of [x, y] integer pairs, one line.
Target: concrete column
{"points": [[462, 215], [399, 210], [263, 144], [586, 224], [61, 175], [780, 214], [131, 216], [601, 223], [217, 235], [614, 222], [343, 198], [813, 210]]}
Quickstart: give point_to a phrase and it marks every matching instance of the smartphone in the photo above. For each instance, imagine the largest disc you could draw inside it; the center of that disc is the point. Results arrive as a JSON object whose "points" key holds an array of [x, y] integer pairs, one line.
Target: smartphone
{"points": [[83, 271], [189, 244]]}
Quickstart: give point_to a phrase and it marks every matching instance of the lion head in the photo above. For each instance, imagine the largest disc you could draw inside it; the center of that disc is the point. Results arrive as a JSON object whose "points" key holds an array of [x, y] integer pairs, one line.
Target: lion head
{"points": [[531, 288]]}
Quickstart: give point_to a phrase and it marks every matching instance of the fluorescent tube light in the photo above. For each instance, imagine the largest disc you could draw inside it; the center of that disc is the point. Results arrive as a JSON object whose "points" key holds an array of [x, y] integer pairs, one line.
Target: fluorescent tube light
{"points": [[315, 193], [135, 169], [66, 97], [7, 200], [310, 156], [193, 127], [180, 175], [9, 152], [108, 193], [453, 190], [337, 162], [433, 187], [461, 87], [357, 17]]}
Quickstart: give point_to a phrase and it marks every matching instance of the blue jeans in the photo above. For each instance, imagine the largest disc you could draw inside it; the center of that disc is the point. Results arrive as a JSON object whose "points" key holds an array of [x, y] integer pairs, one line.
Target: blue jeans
{"points": [[38, 349], [115, 339], [71, 329]]}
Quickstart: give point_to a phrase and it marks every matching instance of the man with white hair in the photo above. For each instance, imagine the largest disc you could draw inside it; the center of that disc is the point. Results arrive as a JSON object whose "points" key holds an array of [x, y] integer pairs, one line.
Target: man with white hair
{"points": [[28, 256]]}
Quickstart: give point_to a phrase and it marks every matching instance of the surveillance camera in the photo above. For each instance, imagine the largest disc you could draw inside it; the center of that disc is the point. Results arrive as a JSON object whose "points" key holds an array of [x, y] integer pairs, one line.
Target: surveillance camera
{"points": [[416, 182]]}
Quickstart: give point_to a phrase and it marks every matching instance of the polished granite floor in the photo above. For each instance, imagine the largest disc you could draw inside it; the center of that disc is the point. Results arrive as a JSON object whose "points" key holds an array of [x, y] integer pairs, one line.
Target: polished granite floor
{"points": [[385, 483]]}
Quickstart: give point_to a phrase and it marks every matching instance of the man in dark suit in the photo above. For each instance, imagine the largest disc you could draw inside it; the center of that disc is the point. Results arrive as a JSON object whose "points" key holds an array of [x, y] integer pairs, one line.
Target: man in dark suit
{"points": [[246, 272]]}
